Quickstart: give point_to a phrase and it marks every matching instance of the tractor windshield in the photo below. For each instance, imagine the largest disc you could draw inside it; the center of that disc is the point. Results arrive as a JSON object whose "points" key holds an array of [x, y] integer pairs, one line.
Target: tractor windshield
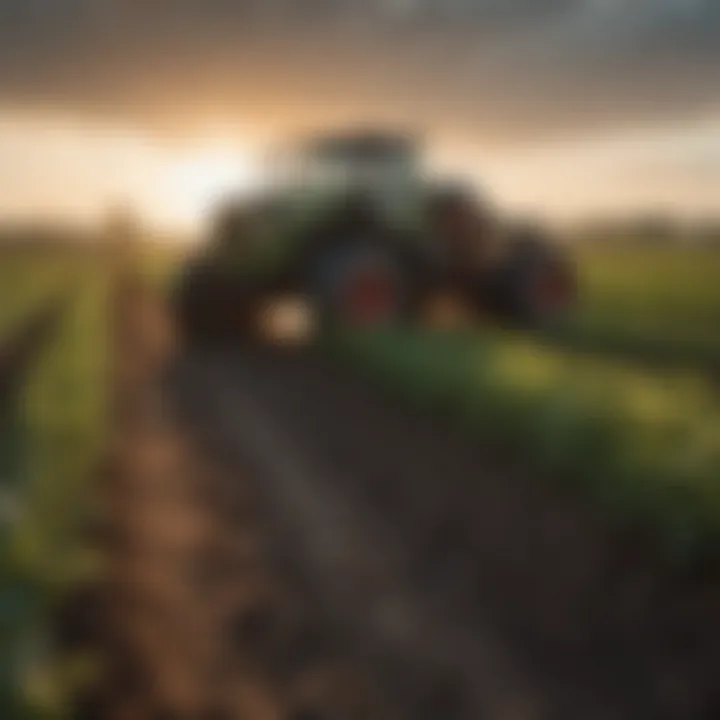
{"points": [[384, 167], [366, 161], [362, 159]]}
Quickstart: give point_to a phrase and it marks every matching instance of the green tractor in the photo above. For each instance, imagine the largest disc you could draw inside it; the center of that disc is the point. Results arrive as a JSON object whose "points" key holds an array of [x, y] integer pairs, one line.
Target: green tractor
{"points": [[352, 233]]}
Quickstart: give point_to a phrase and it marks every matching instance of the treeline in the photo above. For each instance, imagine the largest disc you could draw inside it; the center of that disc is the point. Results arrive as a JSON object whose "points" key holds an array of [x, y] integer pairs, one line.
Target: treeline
{"points": [[649, 230], [58, 237], [45, 236]]}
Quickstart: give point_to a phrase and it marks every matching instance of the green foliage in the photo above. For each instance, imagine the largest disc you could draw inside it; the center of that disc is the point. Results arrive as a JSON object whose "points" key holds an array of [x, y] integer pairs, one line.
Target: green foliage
{"points": [[661, 302], [644, 444], [25, 281], [55, 440]]}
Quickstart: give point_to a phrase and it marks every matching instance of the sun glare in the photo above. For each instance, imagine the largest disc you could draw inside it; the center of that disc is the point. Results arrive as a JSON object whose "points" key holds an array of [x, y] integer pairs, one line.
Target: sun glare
{"points": [[197, 180]]}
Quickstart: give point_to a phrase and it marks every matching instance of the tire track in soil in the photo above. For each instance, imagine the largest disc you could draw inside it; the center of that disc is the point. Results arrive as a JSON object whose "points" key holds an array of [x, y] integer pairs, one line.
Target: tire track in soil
{"points": [[474, 592], [282, 544], [200, 615], [359, 577]]}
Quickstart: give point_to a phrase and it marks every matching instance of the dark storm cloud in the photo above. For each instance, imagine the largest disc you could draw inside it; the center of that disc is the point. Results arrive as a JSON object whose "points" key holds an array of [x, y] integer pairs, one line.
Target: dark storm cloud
{"points": [[501, 69]]}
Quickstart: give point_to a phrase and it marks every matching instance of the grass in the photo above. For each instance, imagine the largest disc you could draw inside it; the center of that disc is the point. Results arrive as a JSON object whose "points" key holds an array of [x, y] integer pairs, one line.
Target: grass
{"points": [[646, 445], [660, 303], [160, 264], [25, 281], [644, 442], [624, 402], [57, 440]]}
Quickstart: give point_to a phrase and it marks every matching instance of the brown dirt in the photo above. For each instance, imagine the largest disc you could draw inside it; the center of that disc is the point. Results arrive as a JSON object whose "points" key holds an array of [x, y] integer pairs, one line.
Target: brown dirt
{"points": [[472, 585], [282, 543], [199, 615]]}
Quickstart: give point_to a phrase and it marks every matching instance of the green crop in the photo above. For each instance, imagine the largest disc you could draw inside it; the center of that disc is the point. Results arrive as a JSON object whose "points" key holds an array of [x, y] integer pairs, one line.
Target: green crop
{"points": [[50, 452], [662, 303], [647, 445]]}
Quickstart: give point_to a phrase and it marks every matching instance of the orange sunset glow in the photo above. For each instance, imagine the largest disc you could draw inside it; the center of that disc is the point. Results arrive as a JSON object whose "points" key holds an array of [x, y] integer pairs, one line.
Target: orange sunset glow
{"points": [[359, 359], [73, 170], [560, 108]]}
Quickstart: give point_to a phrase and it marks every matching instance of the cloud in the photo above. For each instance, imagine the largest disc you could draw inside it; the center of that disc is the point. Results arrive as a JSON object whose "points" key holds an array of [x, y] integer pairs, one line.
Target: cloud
{"points": [[499, 70]]}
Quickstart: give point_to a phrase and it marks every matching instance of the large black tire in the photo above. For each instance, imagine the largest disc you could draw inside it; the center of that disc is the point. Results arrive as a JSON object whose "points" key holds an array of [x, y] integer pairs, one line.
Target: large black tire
{"points": [[203, 305], [361, 282], [535, 287]]}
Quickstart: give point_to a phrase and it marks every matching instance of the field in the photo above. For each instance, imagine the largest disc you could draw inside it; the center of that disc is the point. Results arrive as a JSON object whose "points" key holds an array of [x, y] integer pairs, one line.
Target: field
{"points": [[26, 279], [659, 305], [51, 447], [622, 403]]}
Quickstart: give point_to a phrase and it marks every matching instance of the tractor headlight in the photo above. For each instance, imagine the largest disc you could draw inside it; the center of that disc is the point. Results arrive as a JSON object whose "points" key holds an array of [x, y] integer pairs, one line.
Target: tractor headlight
{"points": [[288, 320]]}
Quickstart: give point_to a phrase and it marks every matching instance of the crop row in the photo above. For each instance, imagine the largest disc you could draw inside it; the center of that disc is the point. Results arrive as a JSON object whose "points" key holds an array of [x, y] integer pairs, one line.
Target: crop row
{"points": [[646, 445], [54, 444]]}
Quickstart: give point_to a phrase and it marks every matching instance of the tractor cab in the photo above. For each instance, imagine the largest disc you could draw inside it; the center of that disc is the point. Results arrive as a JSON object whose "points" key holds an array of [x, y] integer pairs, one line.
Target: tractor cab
{"points": [[383, 167], [361, 160], [351, 228]]}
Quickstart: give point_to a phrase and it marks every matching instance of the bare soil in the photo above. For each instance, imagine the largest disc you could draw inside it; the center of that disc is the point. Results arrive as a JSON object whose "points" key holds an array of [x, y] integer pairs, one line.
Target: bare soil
{"points": [[284, 543], [516, 594]]}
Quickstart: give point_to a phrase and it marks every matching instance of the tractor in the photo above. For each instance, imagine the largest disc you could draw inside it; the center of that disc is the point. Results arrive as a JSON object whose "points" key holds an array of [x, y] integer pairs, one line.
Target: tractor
{"points": [[352, 232]]}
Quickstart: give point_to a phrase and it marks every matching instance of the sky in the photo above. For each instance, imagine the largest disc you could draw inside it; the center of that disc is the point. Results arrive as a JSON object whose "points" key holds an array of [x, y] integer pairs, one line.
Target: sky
{"points": [[556, 106]]}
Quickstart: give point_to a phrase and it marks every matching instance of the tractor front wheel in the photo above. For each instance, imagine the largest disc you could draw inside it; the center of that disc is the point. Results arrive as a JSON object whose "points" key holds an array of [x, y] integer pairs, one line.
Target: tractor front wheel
{"points": [[536, 287], [360, 285]]}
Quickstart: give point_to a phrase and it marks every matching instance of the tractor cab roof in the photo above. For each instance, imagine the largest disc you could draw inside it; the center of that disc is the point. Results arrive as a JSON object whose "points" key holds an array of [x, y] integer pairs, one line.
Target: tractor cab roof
{"points": [[367, 158], [366, 146]]}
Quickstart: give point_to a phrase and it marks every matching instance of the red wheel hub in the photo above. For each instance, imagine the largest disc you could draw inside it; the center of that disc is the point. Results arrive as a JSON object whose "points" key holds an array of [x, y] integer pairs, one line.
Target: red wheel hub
{"points": [[369, 298], [555, 290]]}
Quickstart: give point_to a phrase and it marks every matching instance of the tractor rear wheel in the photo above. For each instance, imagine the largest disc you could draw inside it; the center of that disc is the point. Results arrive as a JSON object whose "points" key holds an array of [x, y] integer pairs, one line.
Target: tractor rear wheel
{"points": [[536, 287], [361, 284]]}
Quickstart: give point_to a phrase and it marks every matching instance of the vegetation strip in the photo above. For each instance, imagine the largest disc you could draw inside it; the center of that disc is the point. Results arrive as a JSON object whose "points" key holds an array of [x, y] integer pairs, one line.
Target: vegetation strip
{"points": [[646, 445], [643, 351], [53, 436], [658, 303], [18, 355], [18, 351]]}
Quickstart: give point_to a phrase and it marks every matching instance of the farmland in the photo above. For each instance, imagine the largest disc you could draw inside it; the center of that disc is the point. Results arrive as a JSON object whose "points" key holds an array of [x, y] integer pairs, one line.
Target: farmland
{"points": [[664, 292], [622, 406], [624, 399], [646, 445], [51, 448], [635, 369], [659, 304], [25, 280]]}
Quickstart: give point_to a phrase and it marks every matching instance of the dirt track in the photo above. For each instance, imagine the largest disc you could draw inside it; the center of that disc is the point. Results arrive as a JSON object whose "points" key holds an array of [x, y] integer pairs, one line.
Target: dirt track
{"points": [[286, 544], [202, 613], [473, 591]]}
